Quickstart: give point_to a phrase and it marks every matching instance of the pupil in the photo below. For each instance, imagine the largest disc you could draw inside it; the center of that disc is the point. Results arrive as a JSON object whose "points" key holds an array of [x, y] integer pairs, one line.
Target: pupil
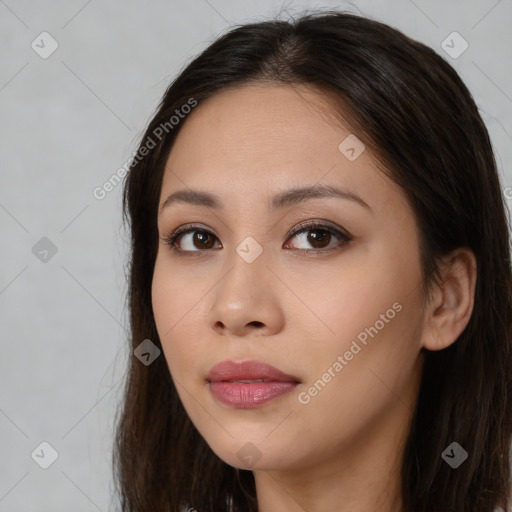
{"points": [[314, 238], [200, 237]]}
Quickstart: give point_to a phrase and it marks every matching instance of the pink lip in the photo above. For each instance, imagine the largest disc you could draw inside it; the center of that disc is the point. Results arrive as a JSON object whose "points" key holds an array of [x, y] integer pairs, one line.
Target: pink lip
{"points": [[247, 370], [223, 383]]}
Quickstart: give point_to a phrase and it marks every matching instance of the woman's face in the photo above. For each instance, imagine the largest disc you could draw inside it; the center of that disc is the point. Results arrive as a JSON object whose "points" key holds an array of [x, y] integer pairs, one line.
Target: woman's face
{"points": [[339, 313]]}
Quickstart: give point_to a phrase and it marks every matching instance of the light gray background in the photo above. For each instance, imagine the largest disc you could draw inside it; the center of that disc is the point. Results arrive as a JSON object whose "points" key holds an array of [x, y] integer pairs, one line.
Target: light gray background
{"points": [[68, 123]]}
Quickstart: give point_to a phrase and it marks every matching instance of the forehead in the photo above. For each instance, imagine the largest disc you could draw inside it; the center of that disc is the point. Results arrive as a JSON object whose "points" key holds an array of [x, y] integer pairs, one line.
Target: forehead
{"points": [[257, 140], [263, 123]]}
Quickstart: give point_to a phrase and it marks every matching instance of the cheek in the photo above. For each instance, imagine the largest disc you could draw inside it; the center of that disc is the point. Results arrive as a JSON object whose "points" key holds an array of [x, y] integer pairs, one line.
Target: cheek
{"points": [[351, 296], [163, 301], [176, 308], [374, 311], [369, 365]]}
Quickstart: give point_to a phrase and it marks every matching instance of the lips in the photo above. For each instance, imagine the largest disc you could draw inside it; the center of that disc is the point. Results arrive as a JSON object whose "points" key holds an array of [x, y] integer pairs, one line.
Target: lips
{"points": [[248, 384], [248, 372]]}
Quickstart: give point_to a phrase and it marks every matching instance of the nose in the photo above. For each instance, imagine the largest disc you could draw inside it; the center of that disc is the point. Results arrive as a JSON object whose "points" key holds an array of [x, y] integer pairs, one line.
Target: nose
{"points": [[246, 301]]}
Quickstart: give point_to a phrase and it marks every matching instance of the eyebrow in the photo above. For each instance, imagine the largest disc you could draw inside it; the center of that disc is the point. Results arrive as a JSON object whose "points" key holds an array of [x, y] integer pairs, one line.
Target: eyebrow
{"points": [[284, 199]]}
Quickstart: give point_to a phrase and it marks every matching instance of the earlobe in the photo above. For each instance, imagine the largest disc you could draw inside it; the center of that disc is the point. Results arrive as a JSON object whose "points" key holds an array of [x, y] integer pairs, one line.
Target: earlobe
{"points": [[451, 304]]}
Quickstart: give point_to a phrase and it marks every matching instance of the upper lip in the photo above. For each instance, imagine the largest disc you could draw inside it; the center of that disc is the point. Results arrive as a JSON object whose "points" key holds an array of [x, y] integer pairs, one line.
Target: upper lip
{"points": [[247, 370]]}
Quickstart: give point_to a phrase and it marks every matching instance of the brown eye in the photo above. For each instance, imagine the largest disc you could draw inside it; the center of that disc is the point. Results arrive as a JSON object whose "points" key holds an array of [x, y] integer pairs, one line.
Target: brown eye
{"points": [[316, 236], [319, 236], [192, 240], [203, 240]]}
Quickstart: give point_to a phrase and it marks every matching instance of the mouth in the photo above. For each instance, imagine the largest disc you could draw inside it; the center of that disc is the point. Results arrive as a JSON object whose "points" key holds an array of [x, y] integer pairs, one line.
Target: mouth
{"points": [[248, 384], [247, 371], [248, 381]]}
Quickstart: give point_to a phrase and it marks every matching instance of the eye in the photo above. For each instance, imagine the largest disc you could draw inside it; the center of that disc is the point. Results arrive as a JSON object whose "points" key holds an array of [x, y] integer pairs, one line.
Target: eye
{"points": [[319, 237], [182, 237], [192, 238]]}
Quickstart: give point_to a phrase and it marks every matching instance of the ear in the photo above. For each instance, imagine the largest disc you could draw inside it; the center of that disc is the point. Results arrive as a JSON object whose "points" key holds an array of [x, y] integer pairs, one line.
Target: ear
{"points": [[451, 302]]}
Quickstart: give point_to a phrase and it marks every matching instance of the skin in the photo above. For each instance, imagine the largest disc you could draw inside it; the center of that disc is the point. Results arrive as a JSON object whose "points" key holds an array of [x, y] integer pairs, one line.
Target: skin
{"points": [[299, 311]]}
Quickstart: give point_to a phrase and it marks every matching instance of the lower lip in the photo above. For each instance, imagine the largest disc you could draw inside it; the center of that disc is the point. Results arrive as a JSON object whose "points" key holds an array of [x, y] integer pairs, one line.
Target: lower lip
{"points": [[248, 395]]}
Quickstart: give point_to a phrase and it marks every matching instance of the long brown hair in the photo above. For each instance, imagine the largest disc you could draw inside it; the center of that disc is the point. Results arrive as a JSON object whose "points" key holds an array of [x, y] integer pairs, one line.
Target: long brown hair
{"points": [[410, 108]]}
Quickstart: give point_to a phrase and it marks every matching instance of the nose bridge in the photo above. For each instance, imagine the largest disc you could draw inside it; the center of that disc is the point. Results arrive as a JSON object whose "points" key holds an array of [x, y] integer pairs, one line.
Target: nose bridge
{"points": [[247, 273], [243, 297], [249, 239]]}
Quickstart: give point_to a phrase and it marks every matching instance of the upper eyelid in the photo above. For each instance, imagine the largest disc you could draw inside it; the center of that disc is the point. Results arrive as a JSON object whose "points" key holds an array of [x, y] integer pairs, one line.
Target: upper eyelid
{"points": [[304, 225], [301, 226], [312, 224]]}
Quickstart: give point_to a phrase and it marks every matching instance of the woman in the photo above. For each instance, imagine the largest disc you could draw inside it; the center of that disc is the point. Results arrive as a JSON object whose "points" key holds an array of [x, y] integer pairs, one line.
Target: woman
{"points": [[321, 252]]}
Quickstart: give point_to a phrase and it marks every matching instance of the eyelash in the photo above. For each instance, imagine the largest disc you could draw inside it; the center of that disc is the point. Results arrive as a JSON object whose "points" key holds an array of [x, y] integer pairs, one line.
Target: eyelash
{"points": [[171, 240]]}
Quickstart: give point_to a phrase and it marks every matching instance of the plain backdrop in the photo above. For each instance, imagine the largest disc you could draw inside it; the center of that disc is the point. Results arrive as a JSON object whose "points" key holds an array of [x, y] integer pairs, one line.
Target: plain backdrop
{"points": [[68, 122]]}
